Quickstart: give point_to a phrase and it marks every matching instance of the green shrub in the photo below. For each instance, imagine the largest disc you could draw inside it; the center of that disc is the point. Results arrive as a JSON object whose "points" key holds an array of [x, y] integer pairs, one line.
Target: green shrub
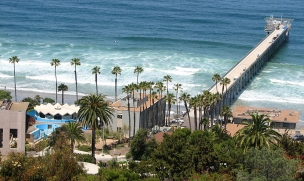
{"points": [[85, 148], [41, 145], [84, 158]]}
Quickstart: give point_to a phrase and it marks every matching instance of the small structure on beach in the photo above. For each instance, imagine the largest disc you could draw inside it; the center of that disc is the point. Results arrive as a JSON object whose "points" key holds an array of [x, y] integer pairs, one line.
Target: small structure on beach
{"points": [[281, 119], [56, 113]]}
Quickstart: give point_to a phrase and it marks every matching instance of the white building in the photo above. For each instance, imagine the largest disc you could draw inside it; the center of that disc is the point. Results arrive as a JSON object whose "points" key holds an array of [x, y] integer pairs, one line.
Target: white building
{"points": [[12, 126]]}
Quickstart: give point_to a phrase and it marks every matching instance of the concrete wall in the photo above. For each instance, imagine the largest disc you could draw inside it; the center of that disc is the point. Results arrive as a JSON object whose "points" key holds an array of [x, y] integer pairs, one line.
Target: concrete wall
{"points": [[12, 120], [125, 119]]}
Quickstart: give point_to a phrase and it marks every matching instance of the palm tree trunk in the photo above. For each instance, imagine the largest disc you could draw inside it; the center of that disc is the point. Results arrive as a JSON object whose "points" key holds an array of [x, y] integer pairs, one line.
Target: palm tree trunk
{"points": [[116, 88], [93, 144], [195, 118], [134, 113], [200, 115], [15, 83], [76, 85], [129, 116], [56, 84], [72, 145], [169, 108], [96, 84], [212, 113], [188, 114], [176, 105], [167, 88], [62, 98]]}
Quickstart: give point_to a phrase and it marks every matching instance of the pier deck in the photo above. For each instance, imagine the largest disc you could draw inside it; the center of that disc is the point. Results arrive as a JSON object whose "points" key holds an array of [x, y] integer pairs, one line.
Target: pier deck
{"points": [[247, 61]]}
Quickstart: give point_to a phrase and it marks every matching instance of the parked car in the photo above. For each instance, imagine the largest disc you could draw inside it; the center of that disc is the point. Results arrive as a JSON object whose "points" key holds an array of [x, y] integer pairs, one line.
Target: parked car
{"points": [[173, 121], [298, 137], [180, 121]]}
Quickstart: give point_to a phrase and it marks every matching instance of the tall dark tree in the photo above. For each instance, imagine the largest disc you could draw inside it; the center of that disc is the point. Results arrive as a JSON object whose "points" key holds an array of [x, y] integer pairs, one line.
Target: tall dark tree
{"points": [[224, 82], [216, 78], [62, 88], [95, 71], [116, 70], [14, 60], [133, 88], [226, 112], [177, 87], [128, 90], [186, 98], [138, 70], [160, 88], [150, 87], [93, 111], [167, 78], [55, 63], [194, 103], [170, 98], [76, 62]]}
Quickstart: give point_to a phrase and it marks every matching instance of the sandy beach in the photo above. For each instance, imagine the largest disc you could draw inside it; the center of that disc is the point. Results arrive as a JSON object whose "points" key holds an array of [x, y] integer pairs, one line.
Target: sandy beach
{"points": [[68, 98]]}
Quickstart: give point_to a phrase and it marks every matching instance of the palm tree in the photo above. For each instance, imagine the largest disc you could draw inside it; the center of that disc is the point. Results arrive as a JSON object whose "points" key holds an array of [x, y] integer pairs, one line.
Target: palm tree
{"points": [[96, 70], [206, 103], [62, 88], [167, 78], [150, 87], [216, 78], [138, 70], [133, 87], [224, 82], [214, 102], [38, 98], [128, 90], [170, 98], [177, 87], [116, 70], [257, 133], [73, 133], [55, 63], [154, 97], [14, 60], [144, 86], [194, 102], [93, 110], [76, 61], [186, 98], [226, 112], [159, 86]]}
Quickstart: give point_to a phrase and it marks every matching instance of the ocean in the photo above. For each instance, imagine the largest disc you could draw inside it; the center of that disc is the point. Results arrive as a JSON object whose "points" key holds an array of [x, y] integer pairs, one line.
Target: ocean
{"points": [[188, 40]]}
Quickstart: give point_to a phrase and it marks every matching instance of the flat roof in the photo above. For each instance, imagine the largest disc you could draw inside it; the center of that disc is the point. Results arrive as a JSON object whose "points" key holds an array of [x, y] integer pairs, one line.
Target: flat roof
{"points": [[233, 128], [275, 115], [19, 106], [159, 137]]}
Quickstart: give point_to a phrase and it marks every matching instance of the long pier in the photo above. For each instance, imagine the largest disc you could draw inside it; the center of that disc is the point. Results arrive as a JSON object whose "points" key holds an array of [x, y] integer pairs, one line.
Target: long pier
{"points": [[277, 30]]}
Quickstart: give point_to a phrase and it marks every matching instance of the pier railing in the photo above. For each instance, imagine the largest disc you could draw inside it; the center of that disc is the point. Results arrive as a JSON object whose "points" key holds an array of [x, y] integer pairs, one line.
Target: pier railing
{"points": [[240, 61]]}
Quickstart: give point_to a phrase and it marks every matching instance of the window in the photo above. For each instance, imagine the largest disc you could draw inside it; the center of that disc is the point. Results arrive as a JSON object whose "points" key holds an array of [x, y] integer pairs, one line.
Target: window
{"points": [[285, 125], [13, 138]]}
